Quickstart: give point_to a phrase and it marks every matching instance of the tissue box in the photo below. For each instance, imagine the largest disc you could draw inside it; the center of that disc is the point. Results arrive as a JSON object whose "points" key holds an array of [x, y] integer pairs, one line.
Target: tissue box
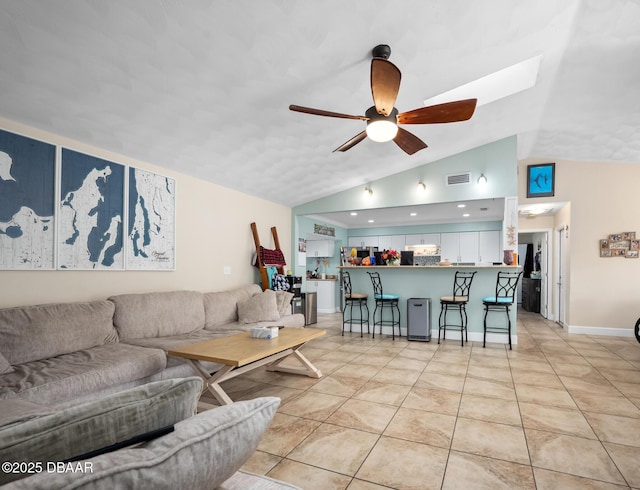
{"points": [[264, 332]]}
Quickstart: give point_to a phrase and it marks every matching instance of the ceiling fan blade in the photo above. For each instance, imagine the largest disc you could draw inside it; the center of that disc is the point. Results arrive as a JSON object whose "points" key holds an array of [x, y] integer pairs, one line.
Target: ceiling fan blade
{"points": [[408, 142], [320, 112], [385, 83], [460, 110], [352, 142]]}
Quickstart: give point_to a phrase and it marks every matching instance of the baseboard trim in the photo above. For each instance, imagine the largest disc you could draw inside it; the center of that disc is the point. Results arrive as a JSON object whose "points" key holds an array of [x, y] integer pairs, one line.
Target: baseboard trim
{"points": [[606, 331]]}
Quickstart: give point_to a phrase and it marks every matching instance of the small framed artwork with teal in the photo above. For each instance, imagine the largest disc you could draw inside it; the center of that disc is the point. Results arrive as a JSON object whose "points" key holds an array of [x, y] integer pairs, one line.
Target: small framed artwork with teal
{"points": [[541, 180]]}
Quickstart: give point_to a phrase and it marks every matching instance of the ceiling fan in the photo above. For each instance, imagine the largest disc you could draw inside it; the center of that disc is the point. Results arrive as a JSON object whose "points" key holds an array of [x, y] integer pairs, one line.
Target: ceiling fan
{"points": [[383, 118]]}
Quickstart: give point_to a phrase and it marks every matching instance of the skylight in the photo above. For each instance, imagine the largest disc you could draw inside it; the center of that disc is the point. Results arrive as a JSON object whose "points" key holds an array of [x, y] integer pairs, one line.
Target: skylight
{"points": [[495, 86]]}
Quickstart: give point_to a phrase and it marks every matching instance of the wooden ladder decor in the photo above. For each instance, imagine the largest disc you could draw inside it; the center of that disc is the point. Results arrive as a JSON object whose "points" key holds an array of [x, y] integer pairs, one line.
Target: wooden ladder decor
{"points": [[264, 276]]}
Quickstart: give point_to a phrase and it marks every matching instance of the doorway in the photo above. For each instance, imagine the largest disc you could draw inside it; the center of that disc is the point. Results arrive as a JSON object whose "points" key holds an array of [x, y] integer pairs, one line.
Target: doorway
{"points": [[539, 242]]}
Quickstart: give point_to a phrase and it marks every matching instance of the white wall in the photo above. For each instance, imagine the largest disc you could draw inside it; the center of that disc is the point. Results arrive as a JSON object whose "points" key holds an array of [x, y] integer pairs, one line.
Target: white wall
{"points": [[212, 227]]}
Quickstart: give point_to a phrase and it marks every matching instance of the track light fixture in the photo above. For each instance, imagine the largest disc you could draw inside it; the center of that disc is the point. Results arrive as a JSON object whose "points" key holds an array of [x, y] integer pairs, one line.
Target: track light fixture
{"points": [[368, 191], [422, 186]]}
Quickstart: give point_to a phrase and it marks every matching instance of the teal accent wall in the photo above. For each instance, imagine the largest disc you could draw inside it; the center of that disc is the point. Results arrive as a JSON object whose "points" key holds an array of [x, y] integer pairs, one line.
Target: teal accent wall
{"points": [[435, 228], [498, 161], [303, 226]]}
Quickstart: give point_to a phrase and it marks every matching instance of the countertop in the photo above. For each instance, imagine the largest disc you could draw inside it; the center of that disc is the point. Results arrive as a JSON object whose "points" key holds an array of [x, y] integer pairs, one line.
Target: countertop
{"points": [[352, 267]]}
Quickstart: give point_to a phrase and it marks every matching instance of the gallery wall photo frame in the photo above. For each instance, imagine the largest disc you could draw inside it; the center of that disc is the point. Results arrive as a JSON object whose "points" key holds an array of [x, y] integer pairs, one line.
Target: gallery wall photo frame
{"points": [[541, 180]]}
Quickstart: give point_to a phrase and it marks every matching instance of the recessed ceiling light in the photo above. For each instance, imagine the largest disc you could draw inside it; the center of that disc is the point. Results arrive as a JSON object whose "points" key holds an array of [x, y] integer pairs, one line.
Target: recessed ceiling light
{"points": [[370, 221], [353, 213], [413, 214], [466, 215], [494, 86], [462, 205]]}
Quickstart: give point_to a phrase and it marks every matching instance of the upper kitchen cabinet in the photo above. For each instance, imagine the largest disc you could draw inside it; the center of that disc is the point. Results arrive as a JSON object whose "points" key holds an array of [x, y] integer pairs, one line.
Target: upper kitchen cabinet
{"points": [[489, 247], [363, 241], [320, 248], [391, 242], [460, 247], [423, 239]]}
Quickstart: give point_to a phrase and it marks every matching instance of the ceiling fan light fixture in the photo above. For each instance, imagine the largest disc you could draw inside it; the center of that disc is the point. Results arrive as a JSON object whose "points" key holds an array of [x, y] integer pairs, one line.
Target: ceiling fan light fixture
{"points": [[381, 128]]}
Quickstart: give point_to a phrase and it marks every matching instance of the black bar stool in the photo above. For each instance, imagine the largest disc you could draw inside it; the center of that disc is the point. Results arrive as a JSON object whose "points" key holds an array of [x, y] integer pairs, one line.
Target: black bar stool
{"points": [[457, 301], [506, 284], [352, 299], [384, 300]]}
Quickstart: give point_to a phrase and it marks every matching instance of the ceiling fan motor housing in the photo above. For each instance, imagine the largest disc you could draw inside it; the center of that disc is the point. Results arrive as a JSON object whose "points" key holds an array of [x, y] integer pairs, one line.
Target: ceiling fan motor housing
{"points": [[381, 51]]}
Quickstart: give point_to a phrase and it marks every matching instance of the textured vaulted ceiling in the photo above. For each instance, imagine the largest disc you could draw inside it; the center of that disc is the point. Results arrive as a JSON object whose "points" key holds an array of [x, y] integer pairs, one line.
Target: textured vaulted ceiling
{"points": [[203, 87]]}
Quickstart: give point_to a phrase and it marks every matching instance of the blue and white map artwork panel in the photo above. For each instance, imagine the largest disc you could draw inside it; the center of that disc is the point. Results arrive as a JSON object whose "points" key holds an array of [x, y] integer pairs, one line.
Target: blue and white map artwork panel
{"points": [[152, 229], [27, 203], [90, 220]]}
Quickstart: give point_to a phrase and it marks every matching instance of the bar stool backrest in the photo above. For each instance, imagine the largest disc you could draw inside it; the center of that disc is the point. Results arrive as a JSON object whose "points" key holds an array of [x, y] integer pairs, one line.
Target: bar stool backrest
{"points": [[462, 284], [506, 285], [346, 283], [377, 284]]}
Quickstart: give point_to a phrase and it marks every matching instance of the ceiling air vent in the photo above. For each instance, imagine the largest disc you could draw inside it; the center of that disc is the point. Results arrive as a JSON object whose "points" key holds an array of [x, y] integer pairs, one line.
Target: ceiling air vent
{"points": [[457, 179]]}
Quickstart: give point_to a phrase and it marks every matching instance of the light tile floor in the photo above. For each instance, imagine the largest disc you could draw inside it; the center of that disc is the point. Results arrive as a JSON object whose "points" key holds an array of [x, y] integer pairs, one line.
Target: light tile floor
{"points": [[558, 411]]}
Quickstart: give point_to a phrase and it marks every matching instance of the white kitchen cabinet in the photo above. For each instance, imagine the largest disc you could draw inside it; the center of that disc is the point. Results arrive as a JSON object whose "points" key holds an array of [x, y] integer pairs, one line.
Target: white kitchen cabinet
{"points": [[459, 247], [363, 241], [450, 246], [489, 247], [391, 242], [469, 247], [320, 248], [326, 294], [423, 239]]}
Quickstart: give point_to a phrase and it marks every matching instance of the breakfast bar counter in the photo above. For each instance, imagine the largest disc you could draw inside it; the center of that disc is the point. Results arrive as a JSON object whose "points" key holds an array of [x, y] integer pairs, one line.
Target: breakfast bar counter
{"points": [[432, 281]]}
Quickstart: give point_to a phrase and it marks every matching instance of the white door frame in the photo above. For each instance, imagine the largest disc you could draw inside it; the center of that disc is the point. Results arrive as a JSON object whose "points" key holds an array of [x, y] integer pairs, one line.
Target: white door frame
{"points": [[560, 276], [545, 284]]}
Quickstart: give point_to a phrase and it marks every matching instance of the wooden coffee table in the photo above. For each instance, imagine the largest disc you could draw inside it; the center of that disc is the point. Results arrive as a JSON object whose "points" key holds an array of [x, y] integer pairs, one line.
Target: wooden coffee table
{"points": [[240, 353]]}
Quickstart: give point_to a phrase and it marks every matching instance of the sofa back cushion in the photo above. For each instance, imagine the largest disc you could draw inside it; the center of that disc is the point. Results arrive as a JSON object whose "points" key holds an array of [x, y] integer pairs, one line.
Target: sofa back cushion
{"points": [[221, 307], [32, 333], [145, 315]]}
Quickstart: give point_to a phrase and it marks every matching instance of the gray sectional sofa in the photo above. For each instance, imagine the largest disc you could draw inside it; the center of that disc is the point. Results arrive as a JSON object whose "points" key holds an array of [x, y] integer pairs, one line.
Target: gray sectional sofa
{"points": [[58, 358], [64, 353]]}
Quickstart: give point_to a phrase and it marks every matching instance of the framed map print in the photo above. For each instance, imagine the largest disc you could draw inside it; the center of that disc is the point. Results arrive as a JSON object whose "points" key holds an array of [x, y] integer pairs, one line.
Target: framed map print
{"points": [[27, 203], [91, 210], [541, 180], [152, 229]]}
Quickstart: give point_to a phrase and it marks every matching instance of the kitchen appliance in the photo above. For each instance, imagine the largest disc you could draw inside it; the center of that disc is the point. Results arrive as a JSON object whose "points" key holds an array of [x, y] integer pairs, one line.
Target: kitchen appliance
{"points": [[406, 257], [310, 303], [295, 287]]}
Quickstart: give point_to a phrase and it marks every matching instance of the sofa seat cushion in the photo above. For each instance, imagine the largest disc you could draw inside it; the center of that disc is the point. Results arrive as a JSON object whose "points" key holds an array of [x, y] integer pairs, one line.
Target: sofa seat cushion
{"points": [[94, 426], [51, 381], [203, 452], [31, 333], [158, 314], [295, 320], [14, 410], [5, 367], [175, 341]]}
